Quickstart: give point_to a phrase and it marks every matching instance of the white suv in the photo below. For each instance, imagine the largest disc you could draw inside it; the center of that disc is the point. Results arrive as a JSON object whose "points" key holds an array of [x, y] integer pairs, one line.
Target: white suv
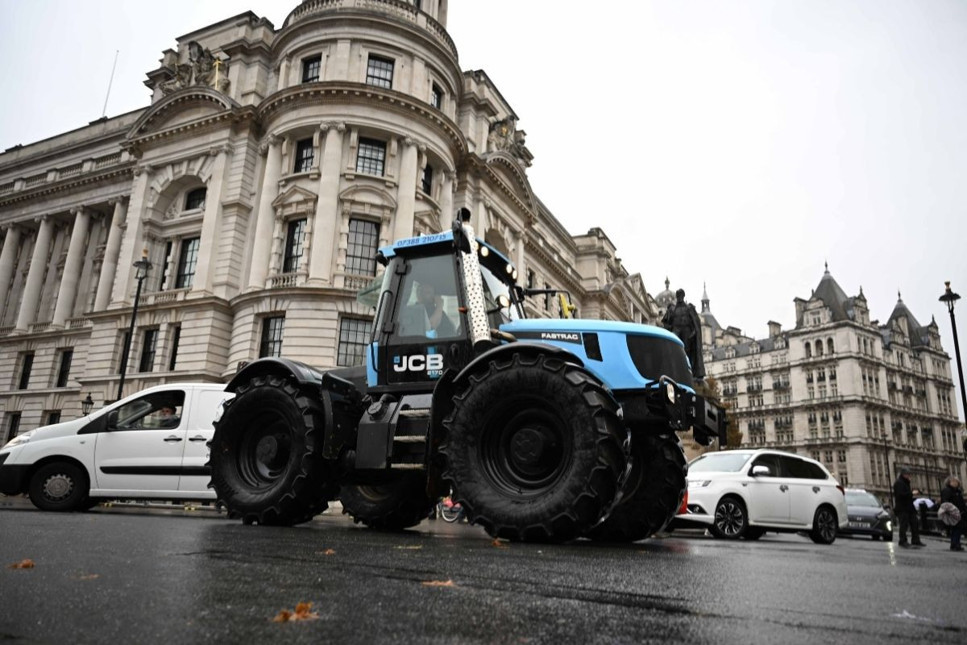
{"points": [[744, 493]]}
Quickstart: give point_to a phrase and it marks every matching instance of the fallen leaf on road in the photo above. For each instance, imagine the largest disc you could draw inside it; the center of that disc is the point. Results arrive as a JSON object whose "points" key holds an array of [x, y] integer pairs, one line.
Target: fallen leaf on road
{"points": [[23, 564], [303, 611], [91, 576], [326, 552], [438, 583], [500, 544]]}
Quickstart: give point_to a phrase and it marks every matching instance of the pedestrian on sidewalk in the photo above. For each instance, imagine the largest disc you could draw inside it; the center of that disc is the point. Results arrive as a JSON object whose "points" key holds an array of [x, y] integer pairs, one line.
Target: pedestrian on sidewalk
{"points": [[905, 512], [952, 494]]}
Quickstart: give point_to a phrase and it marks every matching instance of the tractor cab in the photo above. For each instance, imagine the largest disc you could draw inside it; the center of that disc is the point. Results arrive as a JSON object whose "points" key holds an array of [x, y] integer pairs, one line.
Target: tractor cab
{"points": [[425, 313]]}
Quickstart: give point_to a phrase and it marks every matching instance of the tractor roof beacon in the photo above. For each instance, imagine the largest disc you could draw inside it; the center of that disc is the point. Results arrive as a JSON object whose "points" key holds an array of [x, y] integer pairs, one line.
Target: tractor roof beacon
{"points": [[544, 430]]}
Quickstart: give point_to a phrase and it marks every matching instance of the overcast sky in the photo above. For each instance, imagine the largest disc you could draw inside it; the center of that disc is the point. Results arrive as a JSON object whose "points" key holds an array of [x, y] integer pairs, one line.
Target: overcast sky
{"points": [[738, 144]]}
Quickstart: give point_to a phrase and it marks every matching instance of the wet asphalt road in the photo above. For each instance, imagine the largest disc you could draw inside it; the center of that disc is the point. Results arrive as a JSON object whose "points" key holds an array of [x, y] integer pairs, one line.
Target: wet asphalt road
{"points": [[132, 576]]}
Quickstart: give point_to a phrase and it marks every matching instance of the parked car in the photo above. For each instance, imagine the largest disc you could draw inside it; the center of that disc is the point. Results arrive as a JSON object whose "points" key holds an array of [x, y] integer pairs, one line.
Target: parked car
{"points": [[153, 444], [744, 493], [867, 515]]}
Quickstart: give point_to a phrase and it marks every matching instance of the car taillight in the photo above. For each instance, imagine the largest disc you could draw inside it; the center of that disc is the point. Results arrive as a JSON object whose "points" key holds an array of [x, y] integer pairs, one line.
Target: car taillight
{"points": [[841, 489], [684, 507]]}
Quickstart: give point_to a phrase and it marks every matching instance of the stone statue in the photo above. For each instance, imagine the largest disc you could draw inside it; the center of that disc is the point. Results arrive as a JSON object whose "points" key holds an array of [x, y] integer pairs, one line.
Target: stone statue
{"points": [[682, 320], [504, 135], [202, 68]]}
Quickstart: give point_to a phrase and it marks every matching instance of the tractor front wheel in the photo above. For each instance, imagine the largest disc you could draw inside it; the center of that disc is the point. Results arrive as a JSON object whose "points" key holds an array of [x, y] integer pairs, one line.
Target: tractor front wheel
{"points": [[533, 449], [651, 495]]}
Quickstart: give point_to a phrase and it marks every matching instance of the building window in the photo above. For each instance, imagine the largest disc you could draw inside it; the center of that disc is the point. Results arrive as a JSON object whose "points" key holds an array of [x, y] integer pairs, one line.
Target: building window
{"points": [[175, 340], [13, 425], [436, 96], [165, 265], [379, 72], [272, 330], [64, 372], [310, 69], [354, 335], [426, 181], [26, 365], [195, 199], [547, 298], [53, 417], [148, 347], [294, 239], [187, 260], [304, 155], [363, 243], [371, 157]]}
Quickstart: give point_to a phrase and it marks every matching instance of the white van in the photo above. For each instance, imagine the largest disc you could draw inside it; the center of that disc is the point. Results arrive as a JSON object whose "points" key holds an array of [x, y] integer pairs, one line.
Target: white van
{"points": [[153, 444]]}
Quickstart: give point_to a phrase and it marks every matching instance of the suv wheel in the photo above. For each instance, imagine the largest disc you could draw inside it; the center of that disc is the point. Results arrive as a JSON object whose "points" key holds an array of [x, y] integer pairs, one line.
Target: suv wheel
{"points": [[731, 520], [825, 526]]}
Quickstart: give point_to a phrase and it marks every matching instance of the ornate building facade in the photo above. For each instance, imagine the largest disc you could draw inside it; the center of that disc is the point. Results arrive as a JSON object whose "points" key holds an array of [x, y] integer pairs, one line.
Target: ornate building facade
{"points": [[267, 169], [863, 398]]}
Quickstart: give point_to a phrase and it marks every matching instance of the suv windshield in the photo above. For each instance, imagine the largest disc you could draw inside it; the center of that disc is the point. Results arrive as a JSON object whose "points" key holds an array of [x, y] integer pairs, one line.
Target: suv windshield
{"points": [[718, 463], [858, 498]]}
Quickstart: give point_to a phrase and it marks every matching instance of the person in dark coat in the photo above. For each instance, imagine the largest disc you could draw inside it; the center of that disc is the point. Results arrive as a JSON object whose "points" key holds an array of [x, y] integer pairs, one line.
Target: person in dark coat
{"points": [[953, 494], [903, 506]]}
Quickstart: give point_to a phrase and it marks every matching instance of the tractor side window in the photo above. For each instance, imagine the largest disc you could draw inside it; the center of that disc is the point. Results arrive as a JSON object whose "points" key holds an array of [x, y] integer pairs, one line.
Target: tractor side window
{"points": [[428, 299]]}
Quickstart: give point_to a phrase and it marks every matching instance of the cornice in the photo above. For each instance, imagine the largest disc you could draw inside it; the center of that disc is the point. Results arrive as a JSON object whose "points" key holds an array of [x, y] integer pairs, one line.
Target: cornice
{"points": [[125, 170]]}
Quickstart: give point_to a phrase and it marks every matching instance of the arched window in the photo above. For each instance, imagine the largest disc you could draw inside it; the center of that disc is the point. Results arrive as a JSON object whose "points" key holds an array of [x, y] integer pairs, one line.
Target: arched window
{"points": [[809, 350], [195, 198], [819, 348], [830, 349]]}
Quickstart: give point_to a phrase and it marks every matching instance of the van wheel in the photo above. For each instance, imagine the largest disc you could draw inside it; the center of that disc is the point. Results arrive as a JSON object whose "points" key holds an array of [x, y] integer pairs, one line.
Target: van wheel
{"points": [[731, 520], [651, 495], [825, 526], [392, 506], [533, 449], [266, 461], [59, 486]]}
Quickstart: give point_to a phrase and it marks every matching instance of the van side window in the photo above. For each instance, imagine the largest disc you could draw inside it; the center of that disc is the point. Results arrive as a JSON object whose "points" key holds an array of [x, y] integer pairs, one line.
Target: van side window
{"points": [[158, 410]]}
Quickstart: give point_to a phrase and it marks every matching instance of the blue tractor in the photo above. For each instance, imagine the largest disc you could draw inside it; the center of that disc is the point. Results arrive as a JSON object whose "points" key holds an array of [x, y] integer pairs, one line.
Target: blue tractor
{"points": [[543, 430]]}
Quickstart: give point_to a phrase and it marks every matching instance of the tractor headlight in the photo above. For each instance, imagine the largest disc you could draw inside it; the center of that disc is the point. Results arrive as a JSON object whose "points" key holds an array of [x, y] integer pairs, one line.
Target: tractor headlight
{"points": [[510, 269], [484, 251], [670, 393], [514, 275]]}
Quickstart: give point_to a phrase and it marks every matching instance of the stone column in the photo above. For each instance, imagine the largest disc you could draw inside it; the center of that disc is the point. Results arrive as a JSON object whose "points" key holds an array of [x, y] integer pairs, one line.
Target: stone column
{"points": [[8, 259], [406, 196], [207, 245], [35, 277], [132, 244], [105, 281], [324, 237], [72, 267], [446, 201], [265, 217]]}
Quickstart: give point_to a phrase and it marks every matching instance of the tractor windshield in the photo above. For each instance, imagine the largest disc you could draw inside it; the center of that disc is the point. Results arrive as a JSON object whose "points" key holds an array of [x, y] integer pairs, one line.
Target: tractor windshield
{"points": [[493, 288]]}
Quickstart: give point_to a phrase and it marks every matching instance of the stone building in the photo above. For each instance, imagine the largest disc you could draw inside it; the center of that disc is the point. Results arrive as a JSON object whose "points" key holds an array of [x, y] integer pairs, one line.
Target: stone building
{"points": [[863, 398], [267, 169]]}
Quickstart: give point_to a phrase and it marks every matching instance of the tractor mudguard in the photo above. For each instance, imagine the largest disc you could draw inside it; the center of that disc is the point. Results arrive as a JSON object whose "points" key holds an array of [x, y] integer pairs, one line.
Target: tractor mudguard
{"points": [[525, 349], [284, 367]]}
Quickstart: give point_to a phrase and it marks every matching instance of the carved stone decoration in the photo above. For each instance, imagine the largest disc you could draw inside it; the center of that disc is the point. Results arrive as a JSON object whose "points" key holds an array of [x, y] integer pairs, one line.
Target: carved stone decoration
{"points": [[504, 135], [202, 68]]}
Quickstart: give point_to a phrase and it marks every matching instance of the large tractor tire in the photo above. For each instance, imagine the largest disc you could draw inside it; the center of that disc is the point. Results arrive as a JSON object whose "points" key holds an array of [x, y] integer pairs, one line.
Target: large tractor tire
{"points": [[533, 449], [651, 495], [266, 461], [392, 506]]}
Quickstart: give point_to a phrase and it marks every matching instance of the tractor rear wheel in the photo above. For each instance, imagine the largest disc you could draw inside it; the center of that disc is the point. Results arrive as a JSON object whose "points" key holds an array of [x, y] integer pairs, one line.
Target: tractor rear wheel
{"points": [[266, 462], [651, 495], [533, 449], [392, 506]]}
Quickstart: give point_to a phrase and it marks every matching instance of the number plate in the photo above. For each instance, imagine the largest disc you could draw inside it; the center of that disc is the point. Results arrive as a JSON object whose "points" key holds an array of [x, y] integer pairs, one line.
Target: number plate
{"points": [[858, 525]]}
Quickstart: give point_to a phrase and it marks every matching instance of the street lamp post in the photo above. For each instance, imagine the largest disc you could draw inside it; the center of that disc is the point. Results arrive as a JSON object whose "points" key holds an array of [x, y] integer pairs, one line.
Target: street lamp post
{"points": [[87, 405], [142, 266], [950, 299]]}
